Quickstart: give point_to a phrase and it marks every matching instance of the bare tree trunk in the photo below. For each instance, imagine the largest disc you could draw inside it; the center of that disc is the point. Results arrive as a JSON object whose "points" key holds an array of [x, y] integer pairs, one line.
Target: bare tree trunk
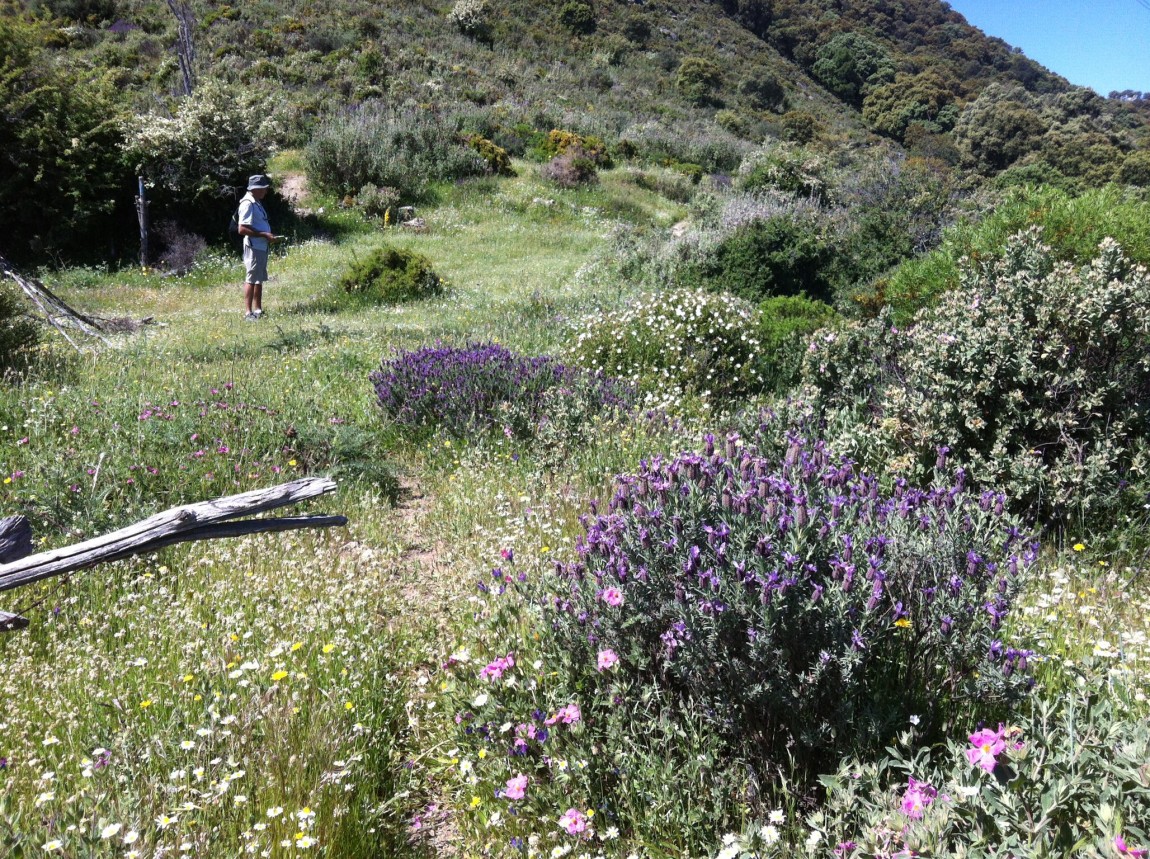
{"points": [[185, 44], [142, 215]]}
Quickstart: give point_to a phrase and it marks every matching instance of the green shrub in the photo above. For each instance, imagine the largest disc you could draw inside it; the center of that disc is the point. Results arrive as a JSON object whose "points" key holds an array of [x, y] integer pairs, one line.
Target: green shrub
{"points": [[1135, 169], [790, 169], [577, 16], [1073, 227], [799, 126], [763, 91], [850, 65], [379, 203], [1070, 780], [1034, 373], [697, 79], [18, 334], [776, 256], [60, 163], [389, 276], [405, 150], [674, 342], [495, 157], [785, 326]]}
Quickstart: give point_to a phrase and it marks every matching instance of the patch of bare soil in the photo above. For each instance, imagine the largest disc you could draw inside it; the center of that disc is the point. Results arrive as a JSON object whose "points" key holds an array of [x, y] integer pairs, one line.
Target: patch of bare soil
{"points": [[293, 188]]}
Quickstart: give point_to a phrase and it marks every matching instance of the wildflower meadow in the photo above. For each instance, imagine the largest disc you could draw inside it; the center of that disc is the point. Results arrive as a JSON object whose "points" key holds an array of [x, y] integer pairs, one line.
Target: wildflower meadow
{"points": [[603, 591]]}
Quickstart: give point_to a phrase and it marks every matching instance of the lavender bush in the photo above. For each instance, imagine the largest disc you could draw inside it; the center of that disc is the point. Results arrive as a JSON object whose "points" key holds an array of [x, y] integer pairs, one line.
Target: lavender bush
{"points": [[806, 610], [483, 386]]}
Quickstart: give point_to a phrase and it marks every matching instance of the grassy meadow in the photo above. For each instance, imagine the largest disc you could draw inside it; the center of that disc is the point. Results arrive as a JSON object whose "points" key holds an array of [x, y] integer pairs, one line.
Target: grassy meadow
{"points": [[388, 689]]}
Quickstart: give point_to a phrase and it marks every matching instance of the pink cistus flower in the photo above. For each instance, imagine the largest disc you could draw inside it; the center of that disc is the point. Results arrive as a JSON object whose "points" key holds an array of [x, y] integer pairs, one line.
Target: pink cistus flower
{"points": [[568, 715], [516, 787], [573, 821], [919, 795], [1126, 850], [612, 596], [987, 746], [495, 670], [608, 659]]}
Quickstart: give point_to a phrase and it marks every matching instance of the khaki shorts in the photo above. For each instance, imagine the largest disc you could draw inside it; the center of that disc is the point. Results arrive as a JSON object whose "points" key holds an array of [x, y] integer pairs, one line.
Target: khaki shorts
{"points": [[255, 265]]}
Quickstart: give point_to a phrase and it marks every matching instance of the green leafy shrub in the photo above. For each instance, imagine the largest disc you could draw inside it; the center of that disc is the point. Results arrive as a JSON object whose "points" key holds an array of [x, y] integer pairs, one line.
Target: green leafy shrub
{"points": [[60, 139], [389, 276], [495, 157], [802, 609], [674, 342], [790, 169], [785, 326], [378, 203], [763, 91], [1073, 227], [577, 16], [799, 126], [405, 150], [697, 79], [1032, 373], [1135, 169], [18, 334], [850, 65], [1067, 778], [776, 256]]}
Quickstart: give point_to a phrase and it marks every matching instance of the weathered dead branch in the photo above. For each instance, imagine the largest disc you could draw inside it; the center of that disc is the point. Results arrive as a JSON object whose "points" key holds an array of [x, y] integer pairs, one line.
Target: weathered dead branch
{"points": [[206, 520]]}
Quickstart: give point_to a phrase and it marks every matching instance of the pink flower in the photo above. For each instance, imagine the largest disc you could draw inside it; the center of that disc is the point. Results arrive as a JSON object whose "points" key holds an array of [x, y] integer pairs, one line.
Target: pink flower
{"points": [[919, 795], [573, 821], [516, 787], [608, 659], [494, 670], [568, 715], [611, 596], [988, 745], [1121, 846]]}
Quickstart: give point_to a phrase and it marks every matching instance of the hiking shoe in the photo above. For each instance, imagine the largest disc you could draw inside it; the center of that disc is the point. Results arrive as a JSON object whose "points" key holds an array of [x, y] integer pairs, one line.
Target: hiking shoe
{"points": [[250, 317], [259, 314]]}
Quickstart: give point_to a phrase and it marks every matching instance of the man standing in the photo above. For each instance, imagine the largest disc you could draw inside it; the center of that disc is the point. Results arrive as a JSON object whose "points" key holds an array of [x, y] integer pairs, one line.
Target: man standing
{"points": [[257, 233]]}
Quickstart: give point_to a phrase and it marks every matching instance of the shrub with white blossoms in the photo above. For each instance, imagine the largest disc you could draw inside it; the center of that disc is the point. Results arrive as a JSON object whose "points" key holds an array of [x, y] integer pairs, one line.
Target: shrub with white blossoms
{"points": [[471, 17], [1033, 374], [670, 342], [217, 137]]}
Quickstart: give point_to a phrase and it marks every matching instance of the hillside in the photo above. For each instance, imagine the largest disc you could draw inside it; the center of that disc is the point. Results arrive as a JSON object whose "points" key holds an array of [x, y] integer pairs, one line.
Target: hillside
{"points": [[686, 82]]}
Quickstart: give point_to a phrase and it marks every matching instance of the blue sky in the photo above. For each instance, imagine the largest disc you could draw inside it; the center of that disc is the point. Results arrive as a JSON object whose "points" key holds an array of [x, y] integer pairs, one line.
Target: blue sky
{"points": [[1102, 44]]}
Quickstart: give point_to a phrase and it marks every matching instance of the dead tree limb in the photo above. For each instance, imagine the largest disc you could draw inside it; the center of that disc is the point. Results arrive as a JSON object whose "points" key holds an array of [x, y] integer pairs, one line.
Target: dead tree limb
{"points": [[201, 521], [53, 308]]}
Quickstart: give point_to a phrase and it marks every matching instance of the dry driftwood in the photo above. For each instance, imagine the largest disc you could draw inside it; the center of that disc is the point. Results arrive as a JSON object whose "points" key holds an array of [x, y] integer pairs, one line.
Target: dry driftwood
{"points": [[206, 520]]}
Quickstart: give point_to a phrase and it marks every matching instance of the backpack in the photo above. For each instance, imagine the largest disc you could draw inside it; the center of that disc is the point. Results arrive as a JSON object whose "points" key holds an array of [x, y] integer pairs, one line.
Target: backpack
{"points": [[234, 224]]}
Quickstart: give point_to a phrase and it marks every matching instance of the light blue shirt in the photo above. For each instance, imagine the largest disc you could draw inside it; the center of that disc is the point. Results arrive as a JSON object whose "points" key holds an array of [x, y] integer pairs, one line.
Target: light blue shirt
{"points": [[252, 215]]}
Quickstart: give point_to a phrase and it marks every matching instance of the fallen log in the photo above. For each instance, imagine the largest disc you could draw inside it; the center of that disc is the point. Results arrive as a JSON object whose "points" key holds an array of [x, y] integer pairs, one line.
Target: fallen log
{"points": [[205, 520]]}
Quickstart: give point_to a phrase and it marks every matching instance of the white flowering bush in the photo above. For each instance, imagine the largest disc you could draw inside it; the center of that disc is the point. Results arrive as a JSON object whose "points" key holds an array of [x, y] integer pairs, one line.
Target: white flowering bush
{"points": [[471, 17], [684, 340], [217, 137]]}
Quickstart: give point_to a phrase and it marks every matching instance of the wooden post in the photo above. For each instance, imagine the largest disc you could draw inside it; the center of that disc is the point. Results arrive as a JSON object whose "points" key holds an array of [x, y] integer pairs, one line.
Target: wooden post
{"points": [[142, 214]]}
